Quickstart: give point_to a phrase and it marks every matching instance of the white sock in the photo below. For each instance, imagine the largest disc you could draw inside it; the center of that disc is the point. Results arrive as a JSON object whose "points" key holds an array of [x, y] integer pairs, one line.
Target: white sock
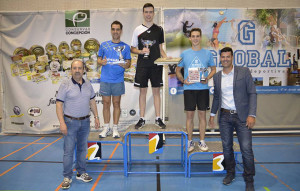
{"points": [[143, 118], [115, 127], [202, 141], [106, 125], [157, 118]]}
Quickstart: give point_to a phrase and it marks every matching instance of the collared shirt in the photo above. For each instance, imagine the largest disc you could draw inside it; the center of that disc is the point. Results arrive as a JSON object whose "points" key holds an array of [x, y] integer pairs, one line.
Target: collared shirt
{"points": [[76, 97], [227, 90]]}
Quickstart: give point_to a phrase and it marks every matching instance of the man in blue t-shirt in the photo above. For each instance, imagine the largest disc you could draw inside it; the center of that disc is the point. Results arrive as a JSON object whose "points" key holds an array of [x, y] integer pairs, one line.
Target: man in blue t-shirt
{"points": [[114, 57], [196, 62]]}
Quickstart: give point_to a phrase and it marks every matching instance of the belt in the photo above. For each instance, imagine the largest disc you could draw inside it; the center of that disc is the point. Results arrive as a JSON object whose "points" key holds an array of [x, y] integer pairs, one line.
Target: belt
{"points": [[77, 118], [228, 111]]}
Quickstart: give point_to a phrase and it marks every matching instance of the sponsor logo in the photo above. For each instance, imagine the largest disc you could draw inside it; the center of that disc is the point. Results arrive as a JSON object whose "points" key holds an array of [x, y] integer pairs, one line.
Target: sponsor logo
{"points": [[218, 162], [155, 143], [17, 112], [77, 22], [132, 112], [94, 151], [173, 91], [34, 111], [35, 124]]}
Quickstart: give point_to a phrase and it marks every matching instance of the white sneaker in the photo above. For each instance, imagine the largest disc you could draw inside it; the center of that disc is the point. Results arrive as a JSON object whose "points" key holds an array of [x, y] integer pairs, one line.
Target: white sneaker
{"points": [[66, 183], [191, 146], [115, 132], [84, 177], [105, 132], [203, 146]]}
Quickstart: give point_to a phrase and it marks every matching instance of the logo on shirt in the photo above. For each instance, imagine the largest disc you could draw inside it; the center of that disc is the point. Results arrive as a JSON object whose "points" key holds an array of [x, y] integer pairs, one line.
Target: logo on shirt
{"points": [[196, 63]]}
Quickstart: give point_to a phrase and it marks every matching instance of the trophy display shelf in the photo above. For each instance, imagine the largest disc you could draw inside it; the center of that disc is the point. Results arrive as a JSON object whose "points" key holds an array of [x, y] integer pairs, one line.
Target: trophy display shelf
{"points": [[214, 147], [167, 61]]}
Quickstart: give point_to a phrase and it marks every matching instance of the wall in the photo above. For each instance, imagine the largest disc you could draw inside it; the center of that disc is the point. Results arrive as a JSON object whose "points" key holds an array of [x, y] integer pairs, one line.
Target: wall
{"points": [[277, 111], [41, 5]]}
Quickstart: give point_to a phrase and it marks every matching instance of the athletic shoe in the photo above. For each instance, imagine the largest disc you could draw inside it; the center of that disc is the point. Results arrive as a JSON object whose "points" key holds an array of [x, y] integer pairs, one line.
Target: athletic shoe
{"points": [[203, 146], [66, 183], [84, 177], [140, 123], [105, 132], [191, 146], [115, 132], [228, 179], [159, 123]]}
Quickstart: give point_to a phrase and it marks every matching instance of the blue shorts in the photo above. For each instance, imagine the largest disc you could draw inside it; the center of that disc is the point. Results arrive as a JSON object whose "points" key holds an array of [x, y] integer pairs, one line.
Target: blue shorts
{"points": [[112, 89]]}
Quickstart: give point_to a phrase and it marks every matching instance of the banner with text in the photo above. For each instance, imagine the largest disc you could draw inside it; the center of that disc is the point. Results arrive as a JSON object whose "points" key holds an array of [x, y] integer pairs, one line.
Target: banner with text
{"points": [[267, 41], [37, 50]]}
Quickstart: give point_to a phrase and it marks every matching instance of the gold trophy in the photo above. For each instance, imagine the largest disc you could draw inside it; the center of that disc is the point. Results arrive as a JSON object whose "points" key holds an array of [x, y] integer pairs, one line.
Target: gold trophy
{"points": [[21, 51], [91, 46], [62, 48], [51, 49], [37, 50], [76, 47]]}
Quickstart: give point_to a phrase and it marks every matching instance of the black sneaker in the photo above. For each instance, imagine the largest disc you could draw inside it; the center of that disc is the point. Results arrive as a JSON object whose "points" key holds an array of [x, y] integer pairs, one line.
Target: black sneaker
{"points": [[228, 179], [159, 123], [140, 124]]}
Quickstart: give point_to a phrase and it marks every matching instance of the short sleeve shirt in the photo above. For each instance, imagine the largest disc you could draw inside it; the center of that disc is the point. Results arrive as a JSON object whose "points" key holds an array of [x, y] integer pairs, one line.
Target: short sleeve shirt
{"points": [[76, 97], [113, 73], [196, 59], [153, 35]]}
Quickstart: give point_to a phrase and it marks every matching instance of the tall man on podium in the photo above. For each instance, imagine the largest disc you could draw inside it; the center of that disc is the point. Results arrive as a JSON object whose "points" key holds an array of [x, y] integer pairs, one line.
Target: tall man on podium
{"points": [[147, 42]]}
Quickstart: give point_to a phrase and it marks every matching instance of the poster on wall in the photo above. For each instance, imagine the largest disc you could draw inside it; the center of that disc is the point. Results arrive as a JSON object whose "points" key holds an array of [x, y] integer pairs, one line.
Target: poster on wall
{"points": [[37, 53], [267, 41]]}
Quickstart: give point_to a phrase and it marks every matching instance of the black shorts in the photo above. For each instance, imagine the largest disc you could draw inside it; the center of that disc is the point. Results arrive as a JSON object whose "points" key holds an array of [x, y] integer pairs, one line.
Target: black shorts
{"points": [[196, 97], [142, 76]]}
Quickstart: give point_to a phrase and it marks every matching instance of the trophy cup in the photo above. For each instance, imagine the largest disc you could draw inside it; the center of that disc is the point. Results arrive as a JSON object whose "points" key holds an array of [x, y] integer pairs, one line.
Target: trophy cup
{"points": [[147, 44], [203, 77], [119, 50]]}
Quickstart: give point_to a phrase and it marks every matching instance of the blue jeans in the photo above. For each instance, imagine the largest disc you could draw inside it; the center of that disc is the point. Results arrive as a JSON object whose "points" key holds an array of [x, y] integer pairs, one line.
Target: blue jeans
{"points": [[227, 124], [78, 132]]}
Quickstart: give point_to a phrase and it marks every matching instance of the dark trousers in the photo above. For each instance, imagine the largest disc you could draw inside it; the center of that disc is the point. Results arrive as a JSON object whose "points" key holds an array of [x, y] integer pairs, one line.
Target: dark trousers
{"points": [[227, 124]]}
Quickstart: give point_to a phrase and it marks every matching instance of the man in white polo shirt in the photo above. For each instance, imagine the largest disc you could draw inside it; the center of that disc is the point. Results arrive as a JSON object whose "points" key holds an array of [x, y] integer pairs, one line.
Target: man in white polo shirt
{"points": [[75, 99]]}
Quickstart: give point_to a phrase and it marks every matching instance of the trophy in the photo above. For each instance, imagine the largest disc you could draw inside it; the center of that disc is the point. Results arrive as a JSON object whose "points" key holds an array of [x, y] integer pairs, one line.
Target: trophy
{"points": [[203, 77], [147, 44], [119, 50]]}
